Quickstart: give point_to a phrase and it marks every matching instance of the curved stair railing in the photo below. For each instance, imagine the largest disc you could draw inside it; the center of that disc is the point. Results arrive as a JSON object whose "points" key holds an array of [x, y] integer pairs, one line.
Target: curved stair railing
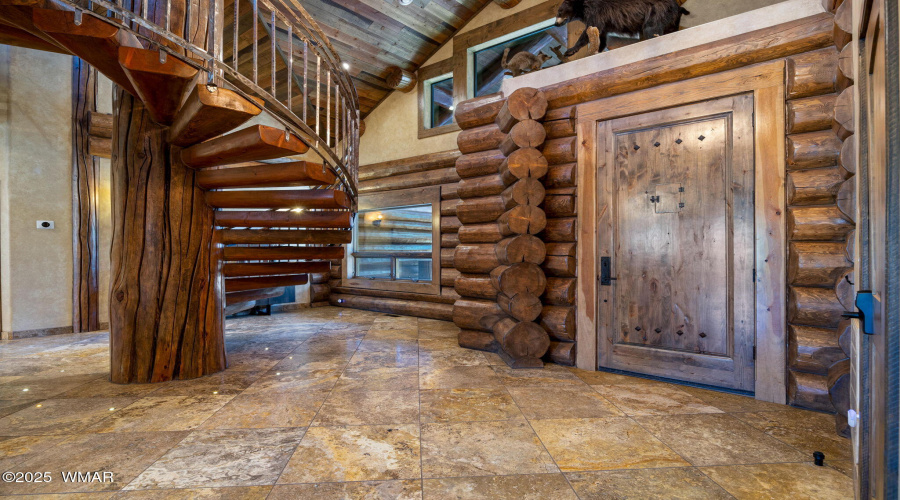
{"points": [[319, 104]]}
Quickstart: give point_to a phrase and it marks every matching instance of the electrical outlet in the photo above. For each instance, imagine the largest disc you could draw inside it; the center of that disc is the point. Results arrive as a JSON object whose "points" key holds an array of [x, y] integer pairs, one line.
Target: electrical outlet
{"points": [[45, 224]]}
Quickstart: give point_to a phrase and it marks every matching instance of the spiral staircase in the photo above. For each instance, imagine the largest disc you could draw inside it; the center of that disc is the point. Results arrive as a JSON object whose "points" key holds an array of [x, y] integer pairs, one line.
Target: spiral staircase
{"points": [[283, 192]]}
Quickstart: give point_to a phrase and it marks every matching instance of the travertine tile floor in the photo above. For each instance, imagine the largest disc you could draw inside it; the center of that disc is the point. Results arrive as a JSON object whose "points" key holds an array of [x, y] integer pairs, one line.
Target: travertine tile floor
{"points": [[337, 403]]}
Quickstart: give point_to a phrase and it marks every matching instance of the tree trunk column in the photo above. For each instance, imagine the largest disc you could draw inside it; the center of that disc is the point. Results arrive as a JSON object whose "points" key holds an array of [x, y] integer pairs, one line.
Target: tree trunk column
{"points": [[167, 292]]}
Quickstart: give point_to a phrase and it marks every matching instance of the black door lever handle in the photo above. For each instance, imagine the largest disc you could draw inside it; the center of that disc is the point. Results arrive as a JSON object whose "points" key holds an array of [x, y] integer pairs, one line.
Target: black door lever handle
{"points": [[605, 271]]}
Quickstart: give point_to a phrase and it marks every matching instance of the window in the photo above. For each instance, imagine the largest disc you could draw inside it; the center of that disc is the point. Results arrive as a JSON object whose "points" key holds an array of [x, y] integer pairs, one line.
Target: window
{"points": [[440, 96], [488, 74], [436, 93], [396, 242]]}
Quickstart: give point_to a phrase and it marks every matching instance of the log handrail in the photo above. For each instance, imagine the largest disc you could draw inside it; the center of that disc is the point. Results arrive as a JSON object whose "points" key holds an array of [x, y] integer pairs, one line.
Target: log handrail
{"points": [[331, 131]]}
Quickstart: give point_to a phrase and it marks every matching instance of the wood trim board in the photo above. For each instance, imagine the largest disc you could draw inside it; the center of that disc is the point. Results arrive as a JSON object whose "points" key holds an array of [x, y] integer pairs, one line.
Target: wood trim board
{"points": [[427, 73]]}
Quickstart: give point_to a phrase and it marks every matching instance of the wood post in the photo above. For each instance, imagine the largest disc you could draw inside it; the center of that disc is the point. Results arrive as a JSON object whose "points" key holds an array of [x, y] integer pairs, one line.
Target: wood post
{"points": [[85, 229], [501, 281], [167, 295]]}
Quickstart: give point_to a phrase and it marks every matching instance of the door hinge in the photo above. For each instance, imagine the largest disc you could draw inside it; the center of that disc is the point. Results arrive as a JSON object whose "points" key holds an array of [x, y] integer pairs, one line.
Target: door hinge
{"points": [[754, 275], [754, 353]]}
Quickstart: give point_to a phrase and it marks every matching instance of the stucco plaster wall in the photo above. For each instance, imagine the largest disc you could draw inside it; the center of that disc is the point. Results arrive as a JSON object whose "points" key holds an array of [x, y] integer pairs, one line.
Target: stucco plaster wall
{"points": [[35, 184]]}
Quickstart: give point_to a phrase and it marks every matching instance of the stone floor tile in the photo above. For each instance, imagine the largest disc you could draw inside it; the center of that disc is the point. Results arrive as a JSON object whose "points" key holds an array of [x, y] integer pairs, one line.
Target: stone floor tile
{"points": [[103, 388], [381, 359], [355, 453], [124, 455], [604, 444], [43, 387], [483, 448], [644, 399], [14, 450], [458, 377], [369, 408], [683, 483], [10, 406], [782, 481], [217, 458], [608, 378], [729, 402], [62, 416], [379, 379], [519, 487], [368, 490], [229, 493], [265, 410], [467, 405], [446, 358], [276, 382], [222, 384], [170, 413], [562, 402], [807, 431], [550, 375], [718, 439]]}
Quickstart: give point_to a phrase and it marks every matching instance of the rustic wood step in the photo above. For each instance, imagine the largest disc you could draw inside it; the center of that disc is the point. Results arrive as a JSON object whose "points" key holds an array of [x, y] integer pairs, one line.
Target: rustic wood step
{"points": [[254, 143], [210, 112], [19, 15], [290, 174], [95, 41], [283, 253], [258, 283], [280, 237], [252, 295], [21, 38], [300, 198], [241, 269], [161, 85], [319, 220]]}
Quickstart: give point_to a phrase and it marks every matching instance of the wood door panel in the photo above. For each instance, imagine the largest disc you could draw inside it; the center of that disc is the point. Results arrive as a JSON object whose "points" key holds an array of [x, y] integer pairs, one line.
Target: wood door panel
{"points": [[676, 198]]}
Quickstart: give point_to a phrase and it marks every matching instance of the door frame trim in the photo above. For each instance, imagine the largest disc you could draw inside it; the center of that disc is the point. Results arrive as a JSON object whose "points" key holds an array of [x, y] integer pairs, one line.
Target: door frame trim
{"points": [[766, 81]]}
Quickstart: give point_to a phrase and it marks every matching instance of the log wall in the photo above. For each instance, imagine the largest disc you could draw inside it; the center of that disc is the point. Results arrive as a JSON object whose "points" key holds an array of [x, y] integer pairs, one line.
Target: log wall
{"points": [[821, 220], [820, 164], [436, 169], [501, 211]]}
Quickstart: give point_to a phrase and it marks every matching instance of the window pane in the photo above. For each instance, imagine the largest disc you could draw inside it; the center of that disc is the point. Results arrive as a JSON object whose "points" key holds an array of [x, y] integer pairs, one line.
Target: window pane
{"points": [[373, 268], [394, 239], [414, 269], [488, 72], [441, 102]]}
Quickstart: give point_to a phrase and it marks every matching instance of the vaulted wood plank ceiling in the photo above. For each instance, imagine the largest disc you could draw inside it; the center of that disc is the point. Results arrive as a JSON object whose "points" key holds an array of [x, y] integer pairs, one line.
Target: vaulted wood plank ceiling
{"points": [[372, 35]]}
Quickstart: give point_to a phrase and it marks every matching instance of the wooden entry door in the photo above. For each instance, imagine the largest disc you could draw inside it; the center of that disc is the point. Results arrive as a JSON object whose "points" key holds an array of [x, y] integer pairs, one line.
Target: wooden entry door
{"points": [[676, 243]]}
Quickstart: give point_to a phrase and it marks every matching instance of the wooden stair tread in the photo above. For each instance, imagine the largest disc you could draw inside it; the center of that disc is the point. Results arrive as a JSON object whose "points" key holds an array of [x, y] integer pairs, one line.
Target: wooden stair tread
{"points": [[261, 282], [252, 295], [19, 15], [206, 114], [242, 269], [10, 35], [94, 40], [300, 198], [283, 253], [290, 174], [160, 85], [324, 219], [280, 237], [254, 143]]}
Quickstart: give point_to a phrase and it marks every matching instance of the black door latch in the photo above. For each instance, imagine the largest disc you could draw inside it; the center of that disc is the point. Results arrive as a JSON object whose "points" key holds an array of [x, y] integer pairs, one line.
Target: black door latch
{"points": [[866, 303], [605, 271]]}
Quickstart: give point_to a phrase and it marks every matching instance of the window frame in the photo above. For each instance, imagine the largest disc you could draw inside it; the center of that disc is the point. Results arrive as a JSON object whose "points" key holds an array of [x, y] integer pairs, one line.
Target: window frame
{"points": [[426, 76], [430, 195], [471, 51]]}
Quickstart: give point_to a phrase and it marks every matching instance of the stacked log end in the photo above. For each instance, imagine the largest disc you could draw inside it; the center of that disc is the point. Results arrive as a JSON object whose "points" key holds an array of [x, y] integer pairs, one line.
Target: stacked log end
{"points": [[821, 209], [558, 314], [498, 257]]}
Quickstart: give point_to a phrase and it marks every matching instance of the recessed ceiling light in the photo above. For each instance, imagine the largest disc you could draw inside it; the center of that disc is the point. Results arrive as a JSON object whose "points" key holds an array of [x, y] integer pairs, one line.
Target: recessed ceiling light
{"points": [[346, 65], [406, 2], [25, 390]]}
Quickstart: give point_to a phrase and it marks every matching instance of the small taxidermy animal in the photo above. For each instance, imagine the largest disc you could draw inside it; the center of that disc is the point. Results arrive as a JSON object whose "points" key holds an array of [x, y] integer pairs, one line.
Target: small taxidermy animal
{"points": [[523, 62], [647, 18]]}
